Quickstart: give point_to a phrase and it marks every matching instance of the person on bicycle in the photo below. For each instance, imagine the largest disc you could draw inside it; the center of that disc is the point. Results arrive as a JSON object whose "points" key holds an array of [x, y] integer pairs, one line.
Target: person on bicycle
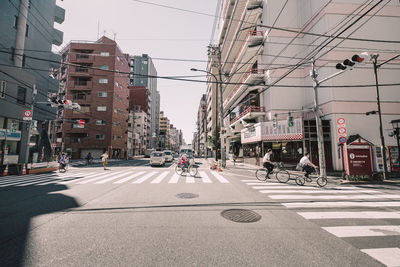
{"points": [[267, 163], [307, 165], [184, 160], [62, 160]]}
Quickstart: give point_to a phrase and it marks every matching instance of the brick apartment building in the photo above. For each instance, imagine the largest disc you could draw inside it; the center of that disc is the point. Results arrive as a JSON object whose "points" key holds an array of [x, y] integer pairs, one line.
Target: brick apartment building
{"points": [[102, 95], [139, 96]]}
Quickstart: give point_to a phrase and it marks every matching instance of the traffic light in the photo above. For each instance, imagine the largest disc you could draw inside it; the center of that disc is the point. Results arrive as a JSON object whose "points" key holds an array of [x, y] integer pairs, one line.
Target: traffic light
{"points": [[354, 61], [13, 127], [275, 121], [290, 120]]}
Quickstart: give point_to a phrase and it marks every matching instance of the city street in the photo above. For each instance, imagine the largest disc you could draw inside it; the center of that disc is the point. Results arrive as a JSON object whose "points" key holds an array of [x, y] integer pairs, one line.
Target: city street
{"points": [[136, 215]]}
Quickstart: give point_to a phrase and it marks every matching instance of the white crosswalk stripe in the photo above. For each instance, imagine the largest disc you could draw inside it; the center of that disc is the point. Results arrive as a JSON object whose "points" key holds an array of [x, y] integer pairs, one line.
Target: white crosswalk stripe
{"points": [[388, 256], [350, 214], [128, 178], [113, 178], [359, 231], [220, 178], [144, 178], [342, 204], [98, 177], [313, 191], [174, 179], [159, 178], [205, 178], [388, 196]]}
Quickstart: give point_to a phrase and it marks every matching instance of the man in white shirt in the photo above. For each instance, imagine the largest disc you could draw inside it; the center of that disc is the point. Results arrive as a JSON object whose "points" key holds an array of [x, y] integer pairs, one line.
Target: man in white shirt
{"points": [[307, 165], [267, 163]]}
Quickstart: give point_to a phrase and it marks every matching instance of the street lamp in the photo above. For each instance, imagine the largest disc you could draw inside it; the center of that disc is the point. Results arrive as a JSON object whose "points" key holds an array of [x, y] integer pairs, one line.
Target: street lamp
{"points": [[218, 81]]}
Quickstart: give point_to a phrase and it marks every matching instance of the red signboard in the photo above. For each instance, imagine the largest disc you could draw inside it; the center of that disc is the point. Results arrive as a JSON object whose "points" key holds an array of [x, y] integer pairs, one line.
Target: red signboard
{"points": [[81, 122], [359, 160]]}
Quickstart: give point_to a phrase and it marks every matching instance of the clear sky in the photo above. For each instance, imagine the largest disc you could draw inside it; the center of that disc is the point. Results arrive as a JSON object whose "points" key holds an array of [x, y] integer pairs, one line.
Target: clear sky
{"points": [[157, 31]]}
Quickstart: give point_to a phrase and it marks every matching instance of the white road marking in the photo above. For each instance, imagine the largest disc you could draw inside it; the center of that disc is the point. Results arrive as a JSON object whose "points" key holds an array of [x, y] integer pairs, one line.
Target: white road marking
{"points": [[128, 178], [189, 179], [338, 204], [205, 178], [58, 181], [174, 179], [317, 191], [80, 179], [334, 197], [369, 230], [159, 178], [220, 178], [253, 180], [351, 215], [144, 178], [99, 177], [113, 177], [388, 256]]}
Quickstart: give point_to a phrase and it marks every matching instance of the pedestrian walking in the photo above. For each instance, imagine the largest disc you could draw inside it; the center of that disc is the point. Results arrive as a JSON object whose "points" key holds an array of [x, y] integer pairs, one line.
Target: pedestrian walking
{"points": [[104, 159], [89, 158]]}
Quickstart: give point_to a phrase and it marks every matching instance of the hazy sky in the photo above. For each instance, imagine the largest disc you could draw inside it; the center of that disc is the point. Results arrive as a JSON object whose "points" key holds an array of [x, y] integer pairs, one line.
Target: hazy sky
{"points": [[157, 31]]}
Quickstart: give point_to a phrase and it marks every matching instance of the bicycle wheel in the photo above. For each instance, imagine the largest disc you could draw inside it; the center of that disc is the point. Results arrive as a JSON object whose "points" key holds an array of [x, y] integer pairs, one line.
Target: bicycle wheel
{"points": [[300, 180], [179, 170], [261, 174], [322, 181], [192, 171], [282, 176]]}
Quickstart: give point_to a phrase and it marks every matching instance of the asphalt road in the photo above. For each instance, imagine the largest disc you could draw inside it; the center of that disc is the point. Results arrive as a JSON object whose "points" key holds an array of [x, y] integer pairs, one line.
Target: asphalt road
{"points": [[134, 215]]}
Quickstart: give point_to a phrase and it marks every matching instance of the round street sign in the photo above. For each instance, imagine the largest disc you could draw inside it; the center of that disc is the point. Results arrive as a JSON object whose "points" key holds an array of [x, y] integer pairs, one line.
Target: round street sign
{"points": [[27, 113], [342, 130], [81, 122], [341, 121], [342, 139]]}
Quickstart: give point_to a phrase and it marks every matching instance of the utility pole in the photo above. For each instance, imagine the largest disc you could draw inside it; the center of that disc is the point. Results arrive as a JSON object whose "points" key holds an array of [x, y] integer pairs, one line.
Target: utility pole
{"points": [[383, 147], [221, 107], [318, 123]]}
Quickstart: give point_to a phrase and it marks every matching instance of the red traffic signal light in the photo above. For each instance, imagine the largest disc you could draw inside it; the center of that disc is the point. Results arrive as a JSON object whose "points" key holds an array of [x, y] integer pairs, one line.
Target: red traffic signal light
{"points": [[355, 59]]}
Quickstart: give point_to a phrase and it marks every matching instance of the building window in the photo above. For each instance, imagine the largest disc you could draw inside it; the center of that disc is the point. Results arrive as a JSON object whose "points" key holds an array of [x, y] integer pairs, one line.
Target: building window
{"points": [[102, 108], [27, 30], [21, 94], [100, 122], [104, 54], [15, 22], [102, 94], [99, 136], [3, 88], [104, 67], [103, 80], [84, 109]]}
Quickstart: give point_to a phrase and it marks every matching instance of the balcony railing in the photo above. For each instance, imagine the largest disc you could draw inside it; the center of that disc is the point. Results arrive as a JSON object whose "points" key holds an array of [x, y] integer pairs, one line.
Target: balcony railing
{"points": [[247, 111]]}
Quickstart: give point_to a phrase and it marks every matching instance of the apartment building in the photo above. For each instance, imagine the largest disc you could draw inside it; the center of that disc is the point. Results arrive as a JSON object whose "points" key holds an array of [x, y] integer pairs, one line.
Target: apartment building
{"points": [[144, 73], [201, 128], [27, 31], [164, 132], [258, 61], [102, 92], [139, 96]]}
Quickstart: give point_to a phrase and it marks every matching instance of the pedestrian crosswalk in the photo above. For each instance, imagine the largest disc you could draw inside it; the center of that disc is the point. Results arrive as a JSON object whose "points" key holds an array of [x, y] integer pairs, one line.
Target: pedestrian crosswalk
{"points": [[130, 176], [358, 214]]}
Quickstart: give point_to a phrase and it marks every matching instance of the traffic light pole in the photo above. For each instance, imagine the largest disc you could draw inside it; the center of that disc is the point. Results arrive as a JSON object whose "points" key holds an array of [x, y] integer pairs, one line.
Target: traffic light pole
{"points": [[221, 109], [383, 146], [318, 122]]}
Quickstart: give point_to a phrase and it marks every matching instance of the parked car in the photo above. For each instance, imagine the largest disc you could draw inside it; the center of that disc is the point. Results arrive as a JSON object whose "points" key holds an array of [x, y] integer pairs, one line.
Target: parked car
{"points": [[157, 158], [168, 155]]}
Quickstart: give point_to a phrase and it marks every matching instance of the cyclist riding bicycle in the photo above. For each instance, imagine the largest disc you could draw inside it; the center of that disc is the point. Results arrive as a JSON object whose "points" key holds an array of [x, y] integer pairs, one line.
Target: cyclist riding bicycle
{"points": [[307, 165], [267, 163], [63, 160], [184, 160]]}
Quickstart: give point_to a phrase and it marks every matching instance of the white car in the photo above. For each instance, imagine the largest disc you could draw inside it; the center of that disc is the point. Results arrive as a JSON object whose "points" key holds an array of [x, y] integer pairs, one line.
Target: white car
{"points": [[168, 155], [157, 158]]}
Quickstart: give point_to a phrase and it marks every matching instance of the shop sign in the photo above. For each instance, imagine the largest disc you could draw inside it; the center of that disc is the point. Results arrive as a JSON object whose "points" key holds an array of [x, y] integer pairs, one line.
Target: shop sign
{"points": [[252, 134], [16, 136], [282, 131]]}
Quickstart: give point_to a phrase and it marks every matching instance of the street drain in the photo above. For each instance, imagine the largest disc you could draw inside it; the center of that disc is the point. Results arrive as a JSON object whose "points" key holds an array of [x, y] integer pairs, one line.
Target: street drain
{"points": [[241, 215], [187, 195]]}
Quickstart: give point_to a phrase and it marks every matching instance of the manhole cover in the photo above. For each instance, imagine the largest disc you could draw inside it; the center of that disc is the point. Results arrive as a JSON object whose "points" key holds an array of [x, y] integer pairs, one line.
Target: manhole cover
{"points": [[187, 195], [241, 215]]}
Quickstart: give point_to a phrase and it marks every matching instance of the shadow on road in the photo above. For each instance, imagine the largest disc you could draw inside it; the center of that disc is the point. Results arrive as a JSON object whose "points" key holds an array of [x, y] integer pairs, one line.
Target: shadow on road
{"points": [[18, 205]]}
